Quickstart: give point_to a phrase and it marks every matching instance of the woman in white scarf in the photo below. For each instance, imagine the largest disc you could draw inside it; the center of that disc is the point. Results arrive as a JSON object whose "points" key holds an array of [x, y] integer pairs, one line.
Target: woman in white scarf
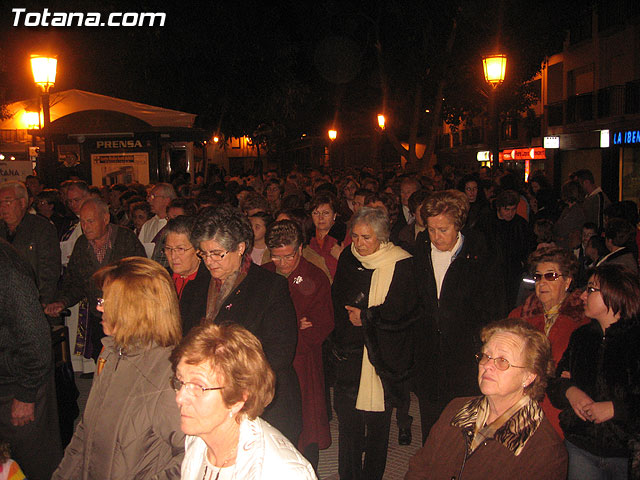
{"points": [[374, 299]]}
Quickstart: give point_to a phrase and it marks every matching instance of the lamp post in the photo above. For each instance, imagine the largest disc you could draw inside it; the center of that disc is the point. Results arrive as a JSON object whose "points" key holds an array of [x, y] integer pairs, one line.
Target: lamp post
{"points": [[381, 121], [44, 75], [494, 67]]}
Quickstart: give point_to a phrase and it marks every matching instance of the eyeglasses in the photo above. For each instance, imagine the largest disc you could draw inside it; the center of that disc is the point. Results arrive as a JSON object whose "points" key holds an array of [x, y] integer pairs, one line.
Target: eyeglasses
{"points": [[326, 213], [176, 250], [212, 255], [100, 302], [192, 389], [152, 196], [8, 201], [284, 258], [591, 290], [549, 276], [501, 363]]}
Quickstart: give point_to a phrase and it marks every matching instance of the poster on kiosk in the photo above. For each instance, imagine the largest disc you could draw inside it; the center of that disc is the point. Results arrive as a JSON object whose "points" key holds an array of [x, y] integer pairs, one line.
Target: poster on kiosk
{"points": [[123, 168]]}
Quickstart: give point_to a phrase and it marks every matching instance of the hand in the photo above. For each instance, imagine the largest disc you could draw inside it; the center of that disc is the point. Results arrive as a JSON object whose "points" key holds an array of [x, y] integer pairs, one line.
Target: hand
{"points": [[354, 315], [565, 374], [579, 402], [22, 413], [54, 309], [304, 323], [336, 250], [599, 412]]}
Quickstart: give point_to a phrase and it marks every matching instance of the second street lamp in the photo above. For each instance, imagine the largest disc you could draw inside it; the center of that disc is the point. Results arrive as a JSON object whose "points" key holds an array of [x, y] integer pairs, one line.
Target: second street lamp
{"points": [[495, 67], [44, 75]]}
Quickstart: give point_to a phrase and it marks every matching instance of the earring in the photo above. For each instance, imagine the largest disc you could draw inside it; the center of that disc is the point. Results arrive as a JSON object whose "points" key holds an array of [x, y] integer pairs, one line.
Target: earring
{"points": [[230, 413]]}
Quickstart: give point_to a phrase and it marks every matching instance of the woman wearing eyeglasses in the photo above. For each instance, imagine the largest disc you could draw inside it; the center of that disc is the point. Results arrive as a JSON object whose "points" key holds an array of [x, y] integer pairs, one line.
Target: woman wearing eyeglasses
{"points": [[242, 292], [190, 275], [502, 434], [597, 382], [131, 425], [223, 383], [554, 309]]}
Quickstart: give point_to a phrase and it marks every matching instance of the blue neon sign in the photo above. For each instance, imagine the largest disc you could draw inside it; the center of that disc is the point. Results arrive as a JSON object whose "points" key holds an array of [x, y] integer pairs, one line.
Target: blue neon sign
{"points": [[626, 137]]}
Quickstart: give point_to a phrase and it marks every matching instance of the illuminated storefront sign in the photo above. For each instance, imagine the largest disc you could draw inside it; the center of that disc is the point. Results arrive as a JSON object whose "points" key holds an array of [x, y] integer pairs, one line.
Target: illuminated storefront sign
{"points": [[551, 142], [520, 154], [626, 137]]}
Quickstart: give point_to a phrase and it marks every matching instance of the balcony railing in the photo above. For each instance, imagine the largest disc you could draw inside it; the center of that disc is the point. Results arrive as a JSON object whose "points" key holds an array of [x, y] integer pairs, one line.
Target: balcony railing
{"points": [[580, 108]]}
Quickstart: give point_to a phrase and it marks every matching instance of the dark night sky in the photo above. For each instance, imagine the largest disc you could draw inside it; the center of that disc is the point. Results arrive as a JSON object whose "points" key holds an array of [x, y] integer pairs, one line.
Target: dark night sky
{"points": [[239, 64]]}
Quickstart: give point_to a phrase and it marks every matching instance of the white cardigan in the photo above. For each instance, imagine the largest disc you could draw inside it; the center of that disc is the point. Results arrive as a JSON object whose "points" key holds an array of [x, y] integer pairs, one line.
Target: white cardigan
{"points": [[263, 453]]}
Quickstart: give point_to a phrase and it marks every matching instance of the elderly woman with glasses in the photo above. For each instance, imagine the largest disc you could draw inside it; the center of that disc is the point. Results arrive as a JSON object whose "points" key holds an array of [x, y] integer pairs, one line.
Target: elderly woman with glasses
{"points": [[502, 434], [242, 292], [130, 427], [223, 382], [375, 310], [189, 273], [311, 294], [553, 309], [597, 383]]}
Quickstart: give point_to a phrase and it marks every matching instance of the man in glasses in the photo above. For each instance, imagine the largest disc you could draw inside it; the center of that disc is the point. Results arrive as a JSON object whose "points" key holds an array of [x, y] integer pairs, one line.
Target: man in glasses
{"points": [[35, 239], [159, 198]]}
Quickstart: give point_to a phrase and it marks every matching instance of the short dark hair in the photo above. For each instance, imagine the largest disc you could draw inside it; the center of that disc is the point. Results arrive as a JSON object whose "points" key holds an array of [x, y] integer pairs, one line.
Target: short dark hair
{"points": [[619, 231], [322, 198], [416, 199], [182, 224], [226, 225], [507, 198], [187, 204], [284, 233], [572, 192], [619, 289], [585, 174]]}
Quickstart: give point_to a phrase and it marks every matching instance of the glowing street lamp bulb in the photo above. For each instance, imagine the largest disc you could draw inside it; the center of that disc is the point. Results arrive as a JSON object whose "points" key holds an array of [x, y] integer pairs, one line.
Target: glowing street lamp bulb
{"points": [[44, 70], [333, 134], [494, 69], [381, 121], [216, 139]]}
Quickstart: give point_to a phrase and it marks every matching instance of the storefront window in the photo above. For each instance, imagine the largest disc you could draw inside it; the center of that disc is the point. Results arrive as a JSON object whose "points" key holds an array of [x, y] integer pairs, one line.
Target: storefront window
{"points": [[631, 173]]}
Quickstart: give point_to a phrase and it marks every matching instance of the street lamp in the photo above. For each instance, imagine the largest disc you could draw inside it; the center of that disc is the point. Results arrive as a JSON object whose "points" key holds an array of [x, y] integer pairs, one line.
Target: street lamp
{"points": [[333, 134], [44, 75], [381, 121], [494, 67]]}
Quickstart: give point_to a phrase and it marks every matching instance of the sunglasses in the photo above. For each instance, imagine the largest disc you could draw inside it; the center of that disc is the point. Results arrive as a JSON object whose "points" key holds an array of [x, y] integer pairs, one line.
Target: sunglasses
{"points": [[549, 276]]}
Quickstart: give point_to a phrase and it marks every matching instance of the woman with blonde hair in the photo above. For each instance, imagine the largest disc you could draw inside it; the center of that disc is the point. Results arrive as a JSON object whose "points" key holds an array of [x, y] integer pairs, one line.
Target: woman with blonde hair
{"points": [[130, 427]]}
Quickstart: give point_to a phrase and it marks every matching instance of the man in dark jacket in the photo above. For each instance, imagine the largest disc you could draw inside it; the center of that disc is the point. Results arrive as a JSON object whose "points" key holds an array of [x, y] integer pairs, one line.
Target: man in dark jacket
{"points": [[28, 414], [35, 239], [102, 243]]}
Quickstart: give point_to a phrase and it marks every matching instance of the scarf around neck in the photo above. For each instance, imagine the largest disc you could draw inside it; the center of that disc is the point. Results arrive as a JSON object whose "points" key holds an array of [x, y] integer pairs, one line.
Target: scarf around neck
{"points": [[383, 263]]}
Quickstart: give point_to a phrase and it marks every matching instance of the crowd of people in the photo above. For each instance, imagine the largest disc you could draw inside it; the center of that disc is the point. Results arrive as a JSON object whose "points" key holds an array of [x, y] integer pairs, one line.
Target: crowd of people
{"points": [[216, 318]]}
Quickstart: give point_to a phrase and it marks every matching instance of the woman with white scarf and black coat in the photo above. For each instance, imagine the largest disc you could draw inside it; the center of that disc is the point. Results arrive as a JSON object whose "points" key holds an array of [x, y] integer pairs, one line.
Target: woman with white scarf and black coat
{"points": [[374, 300]]}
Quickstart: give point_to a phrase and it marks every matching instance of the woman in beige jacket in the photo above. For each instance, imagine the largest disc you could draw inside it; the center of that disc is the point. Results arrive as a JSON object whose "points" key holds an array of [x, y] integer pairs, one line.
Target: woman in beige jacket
{"points": [[131, 424]]}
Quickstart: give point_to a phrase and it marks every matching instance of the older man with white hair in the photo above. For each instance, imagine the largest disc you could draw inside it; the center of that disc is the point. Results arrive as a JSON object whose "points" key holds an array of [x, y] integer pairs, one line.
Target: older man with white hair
{"points": [[35, 239], [159, 198], [100, 244]]}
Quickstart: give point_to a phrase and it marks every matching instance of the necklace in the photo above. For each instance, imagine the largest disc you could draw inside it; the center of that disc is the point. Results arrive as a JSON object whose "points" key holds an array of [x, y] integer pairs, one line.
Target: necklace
{"points": [[224, 464]]}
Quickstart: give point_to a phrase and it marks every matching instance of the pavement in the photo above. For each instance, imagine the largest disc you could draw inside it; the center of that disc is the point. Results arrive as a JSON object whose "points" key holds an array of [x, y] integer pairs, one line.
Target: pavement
{"points": [[397, 456]]}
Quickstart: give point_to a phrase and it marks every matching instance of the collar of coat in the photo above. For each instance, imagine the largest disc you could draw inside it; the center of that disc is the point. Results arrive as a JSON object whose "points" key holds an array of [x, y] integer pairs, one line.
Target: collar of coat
{"points": [[516, 431], [571, 307]]}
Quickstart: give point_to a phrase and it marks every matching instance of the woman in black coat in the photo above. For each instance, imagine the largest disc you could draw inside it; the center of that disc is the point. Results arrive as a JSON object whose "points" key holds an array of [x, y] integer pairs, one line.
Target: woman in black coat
{"points": [[460, 293], [374, 301], [243, 293], [597, 382]]}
